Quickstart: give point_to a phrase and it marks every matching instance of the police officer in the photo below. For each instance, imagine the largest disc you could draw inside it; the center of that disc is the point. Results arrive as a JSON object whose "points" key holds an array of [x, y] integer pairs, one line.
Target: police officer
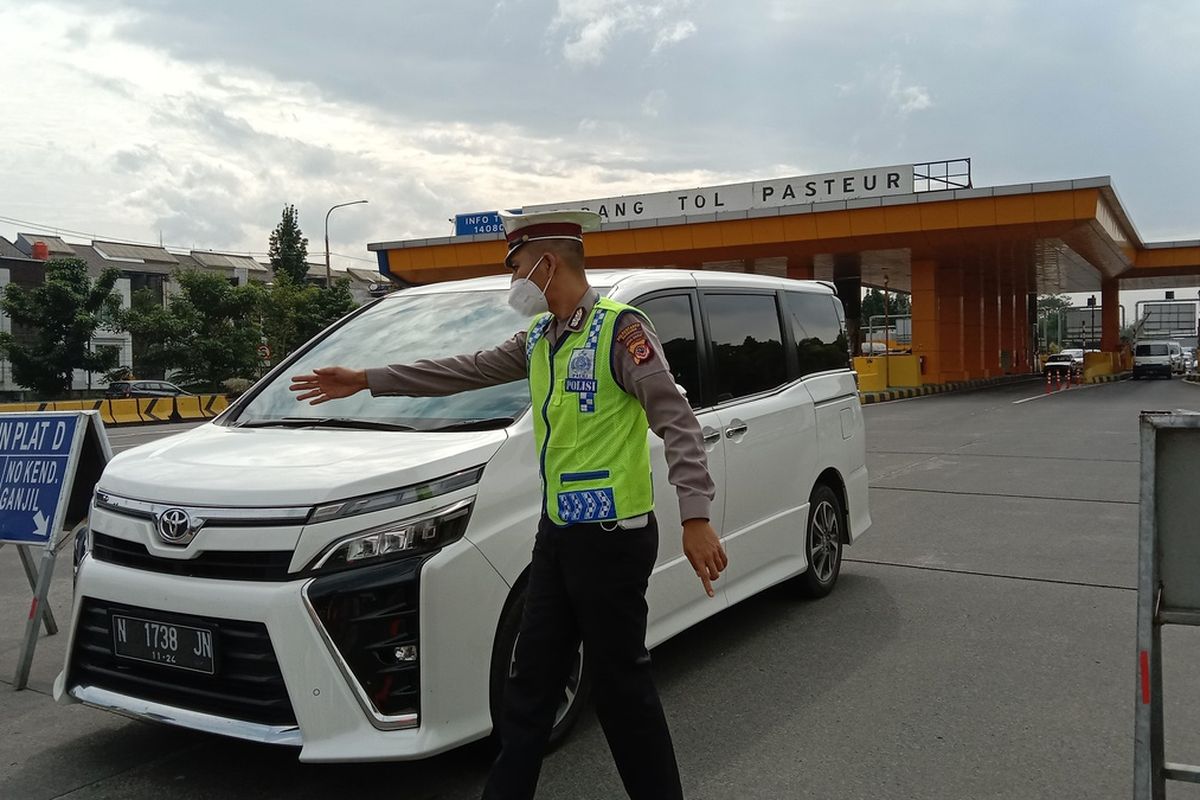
{"points": [[598, 380]]}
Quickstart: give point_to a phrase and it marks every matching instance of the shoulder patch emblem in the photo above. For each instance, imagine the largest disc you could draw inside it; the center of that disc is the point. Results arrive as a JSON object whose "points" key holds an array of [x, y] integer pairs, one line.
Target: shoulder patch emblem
{"points": [[633, 338], [631, 332], [641, 351]]}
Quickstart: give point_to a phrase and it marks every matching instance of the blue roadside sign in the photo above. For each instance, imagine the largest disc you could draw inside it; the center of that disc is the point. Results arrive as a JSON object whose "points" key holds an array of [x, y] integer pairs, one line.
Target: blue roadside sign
{"points": [[35, 456], [480, 222]]}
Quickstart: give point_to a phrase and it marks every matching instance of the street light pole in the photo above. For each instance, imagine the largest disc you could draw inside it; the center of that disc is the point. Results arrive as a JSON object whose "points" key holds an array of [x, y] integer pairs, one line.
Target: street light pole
{"points": [[328, 272]]}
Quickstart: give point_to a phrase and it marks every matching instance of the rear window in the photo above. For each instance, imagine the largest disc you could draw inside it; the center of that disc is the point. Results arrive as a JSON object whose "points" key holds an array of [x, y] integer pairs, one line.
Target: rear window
{"points": [[119, 386], [1151, 350]]}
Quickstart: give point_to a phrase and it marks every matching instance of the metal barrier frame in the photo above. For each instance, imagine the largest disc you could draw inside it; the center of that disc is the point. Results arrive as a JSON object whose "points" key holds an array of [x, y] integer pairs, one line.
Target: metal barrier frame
{"points": [[1150, 769]]}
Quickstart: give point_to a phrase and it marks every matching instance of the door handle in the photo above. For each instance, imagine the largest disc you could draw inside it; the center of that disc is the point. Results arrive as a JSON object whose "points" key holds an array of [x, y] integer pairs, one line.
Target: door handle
{"points": [[711, 436], [737, 428]]}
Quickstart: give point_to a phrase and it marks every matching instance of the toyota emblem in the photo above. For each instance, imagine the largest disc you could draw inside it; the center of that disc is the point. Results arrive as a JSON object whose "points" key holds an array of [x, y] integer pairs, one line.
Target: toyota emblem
{"points": [[175, 526]]}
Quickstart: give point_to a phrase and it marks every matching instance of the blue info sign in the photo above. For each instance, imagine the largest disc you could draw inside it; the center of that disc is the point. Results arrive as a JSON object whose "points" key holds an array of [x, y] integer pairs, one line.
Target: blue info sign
{"points": [[479, 222], [35, 466]]}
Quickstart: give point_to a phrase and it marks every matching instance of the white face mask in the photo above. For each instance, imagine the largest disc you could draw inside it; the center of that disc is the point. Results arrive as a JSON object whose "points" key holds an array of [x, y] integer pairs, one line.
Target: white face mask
{"points": [[526, 297]]}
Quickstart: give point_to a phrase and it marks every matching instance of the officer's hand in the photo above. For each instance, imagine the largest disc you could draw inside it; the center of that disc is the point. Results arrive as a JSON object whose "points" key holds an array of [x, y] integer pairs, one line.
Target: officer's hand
{"points": [[703, 549], [328, 383]]}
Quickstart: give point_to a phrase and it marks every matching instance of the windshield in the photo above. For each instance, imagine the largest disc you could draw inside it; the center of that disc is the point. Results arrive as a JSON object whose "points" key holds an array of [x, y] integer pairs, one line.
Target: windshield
{"points": [[1151, 350], [401, 330]]}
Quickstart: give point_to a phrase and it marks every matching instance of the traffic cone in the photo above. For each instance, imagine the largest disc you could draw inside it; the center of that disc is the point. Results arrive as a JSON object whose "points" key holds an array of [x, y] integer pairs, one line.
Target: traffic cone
{"points": [[1058, 380], [1047, 383]]}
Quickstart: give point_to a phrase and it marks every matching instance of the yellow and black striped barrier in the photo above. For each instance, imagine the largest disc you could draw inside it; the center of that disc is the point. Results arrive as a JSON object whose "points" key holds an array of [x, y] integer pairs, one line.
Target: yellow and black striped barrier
{"points": [[136, 411]]}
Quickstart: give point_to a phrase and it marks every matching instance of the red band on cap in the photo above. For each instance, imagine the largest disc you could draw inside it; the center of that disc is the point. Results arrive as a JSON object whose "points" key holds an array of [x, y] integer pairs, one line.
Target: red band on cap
{"points": [[546, 229]]}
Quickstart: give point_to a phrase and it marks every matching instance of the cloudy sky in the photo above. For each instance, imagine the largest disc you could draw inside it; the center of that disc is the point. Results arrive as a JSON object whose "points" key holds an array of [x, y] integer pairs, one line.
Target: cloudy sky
{"points": [[197, 121]]}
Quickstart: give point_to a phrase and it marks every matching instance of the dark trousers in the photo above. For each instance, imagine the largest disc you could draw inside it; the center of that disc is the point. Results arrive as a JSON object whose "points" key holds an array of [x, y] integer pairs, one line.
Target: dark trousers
{"points": [[590, 583]]}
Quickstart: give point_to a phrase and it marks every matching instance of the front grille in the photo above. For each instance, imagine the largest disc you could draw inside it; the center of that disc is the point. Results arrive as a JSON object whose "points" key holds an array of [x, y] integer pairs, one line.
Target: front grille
{"points": [[232, 565], [247, 685], [370, 614]]}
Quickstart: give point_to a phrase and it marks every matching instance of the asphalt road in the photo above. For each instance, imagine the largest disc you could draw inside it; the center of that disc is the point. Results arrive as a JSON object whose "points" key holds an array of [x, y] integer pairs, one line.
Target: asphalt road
{"points": [[980, 644]]}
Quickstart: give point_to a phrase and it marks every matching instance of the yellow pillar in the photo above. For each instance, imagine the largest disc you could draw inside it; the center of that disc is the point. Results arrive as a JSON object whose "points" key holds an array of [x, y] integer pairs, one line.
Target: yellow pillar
{"points": [[1007, 318], [950, 323], [991, 322], [800, 269], [1021, 311], [972, 311], [1110, 315], [925, 329]]}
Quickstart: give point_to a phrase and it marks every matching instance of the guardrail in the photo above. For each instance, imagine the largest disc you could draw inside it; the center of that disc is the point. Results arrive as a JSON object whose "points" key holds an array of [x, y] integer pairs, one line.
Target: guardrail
{"points": [[136, 411]]}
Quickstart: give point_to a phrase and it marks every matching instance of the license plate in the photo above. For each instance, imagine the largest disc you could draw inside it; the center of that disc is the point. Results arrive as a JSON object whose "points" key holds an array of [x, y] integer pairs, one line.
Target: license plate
{"points": [[166, 643]]}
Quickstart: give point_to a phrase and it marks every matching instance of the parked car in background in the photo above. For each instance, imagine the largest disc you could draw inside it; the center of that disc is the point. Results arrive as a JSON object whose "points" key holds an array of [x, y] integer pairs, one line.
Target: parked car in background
{"points": [[1075, 353], [119, 389], [1152, 358], [1059, 365]]}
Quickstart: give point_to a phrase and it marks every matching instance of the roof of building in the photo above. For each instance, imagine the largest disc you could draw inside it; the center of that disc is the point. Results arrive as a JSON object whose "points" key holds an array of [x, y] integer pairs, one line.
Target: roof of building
{"points": [[213, 259], [99, 260], [57, 246], [136, 253], [10, 250]]}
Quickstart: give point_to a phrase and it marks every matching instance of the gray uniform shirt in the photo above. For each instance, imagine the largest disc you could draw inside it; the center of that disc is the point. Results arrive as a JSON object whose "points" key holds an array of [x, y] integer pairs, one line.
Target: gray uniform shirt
{"points": [[638, 365]]}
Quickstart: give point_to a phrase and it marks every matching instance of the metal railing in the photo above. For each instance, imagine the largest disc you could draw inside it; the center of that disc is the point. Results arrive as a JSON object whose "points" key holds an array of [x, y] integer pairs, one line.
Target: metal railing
{"points": [[940, 176]]}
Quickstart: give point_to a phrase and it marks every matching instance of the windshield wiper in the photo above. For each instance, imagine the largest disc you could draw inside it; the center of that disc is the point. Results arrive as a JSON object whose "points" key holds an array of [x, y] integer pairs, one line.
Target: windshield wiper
{"points": [[324, 422], [482, 424]]}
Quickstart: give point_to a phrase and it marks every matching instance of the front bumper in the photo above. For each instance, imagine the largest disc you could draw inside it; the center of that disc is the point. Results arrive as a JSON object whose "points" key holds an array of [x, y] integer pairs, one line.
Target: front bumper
{"points": [[461, 597]]}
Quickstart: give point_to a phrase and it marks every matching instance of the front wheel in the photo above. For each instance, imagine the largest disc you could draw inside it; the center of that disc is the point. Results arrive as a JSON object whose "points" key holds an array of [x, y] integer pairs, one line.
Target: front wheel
{"points": [[822, 543], [575, 693]]}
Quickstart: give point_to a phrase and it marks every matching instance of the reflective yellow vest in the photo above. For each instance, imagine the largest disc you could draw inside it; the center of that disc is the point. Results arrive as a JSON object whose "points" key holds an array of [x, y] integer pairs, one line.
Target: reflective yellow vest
{"points": [[590, 433]]}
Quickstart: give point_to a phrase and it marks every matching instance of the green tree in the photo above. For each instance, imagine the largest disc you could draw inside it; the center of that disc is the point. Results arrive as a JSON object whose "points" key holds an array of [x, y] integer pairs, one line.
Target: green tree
{"points": [[63, 315], [293, 313], [898, 304], [1049, 310], [208, 333], [289, 248]]}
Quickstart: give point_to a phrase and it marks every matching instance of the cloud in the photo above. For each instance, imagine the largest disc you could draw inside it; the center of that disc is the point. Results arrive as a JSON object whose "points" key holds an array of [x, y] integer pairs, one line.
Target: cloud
{"points": [[674, 35], [653, 103], [211, 115], [908, 98], [593, 25]]}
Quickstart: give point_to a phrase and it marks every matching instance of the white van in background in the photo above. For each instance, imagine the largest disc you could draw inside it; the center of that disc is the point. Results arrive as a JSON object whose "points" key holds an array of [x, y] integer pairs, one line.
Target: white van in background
{"points": [[1153, 357], [348, 578]]}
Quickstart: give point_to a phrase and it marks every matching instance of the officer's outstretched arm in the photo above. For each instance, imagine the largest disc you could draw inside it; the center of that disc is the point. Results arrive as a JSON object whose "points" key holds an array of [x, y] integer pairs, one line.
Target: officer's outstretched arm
{"points": [[428, 377]]}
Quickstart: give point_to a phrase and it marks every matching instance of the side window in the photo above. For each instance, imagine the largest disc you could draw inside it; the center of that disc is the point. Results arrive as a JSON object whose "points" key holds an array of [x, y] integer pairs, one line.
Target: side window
{"points": [[675, 325], [818, 332], [747, 344]]}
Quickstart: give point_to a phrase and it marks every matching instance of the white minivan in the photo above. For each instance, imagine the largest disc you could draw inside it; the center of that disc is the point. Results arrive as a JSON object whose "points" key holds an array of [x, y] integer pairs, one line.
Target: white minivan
{"points": [[1154, 358], [348, 578]]}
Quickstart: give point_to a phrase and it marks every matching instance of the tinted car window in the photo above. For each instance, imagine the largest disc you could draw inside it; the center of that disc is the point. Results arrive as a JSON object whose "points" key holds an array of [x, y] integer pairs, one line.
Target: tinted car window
{"points": [[675, 325], [1151, 350], [818, 332], [747, 344]]}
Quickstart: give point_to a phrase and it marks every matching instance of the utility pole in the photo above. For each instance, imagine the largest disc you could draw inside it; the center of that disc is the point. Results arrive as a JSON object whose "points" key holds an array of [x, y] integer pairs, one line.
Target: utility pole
{"points": [[328, 271]]}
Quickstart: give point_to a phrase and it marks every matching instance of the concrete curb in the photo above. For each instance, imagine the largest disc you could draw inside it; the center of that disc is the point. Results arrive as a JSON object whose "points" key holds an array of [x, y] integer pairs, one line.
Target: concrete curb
{"points": [[868, 398], [1120, 376]]}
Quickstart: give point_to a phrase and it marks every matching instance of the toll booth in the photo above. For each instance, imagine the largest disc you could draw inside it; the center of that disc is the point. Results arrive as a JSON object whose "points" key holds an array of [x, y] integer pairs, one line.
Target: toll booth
{"points": [[972, 258]]}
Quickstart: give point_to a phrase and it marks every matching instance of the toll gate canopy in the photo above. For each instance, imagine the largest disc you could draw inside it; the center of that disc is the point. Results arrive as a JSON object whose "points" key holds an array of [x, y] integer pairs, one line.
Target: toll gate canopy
{"points": [[973, 258]]}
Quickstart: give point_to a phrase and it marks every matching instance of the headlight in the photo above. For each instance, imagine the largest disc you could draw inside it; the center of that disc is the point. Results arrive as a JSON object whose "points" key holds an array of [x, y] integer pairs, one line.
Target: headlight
{"points": [[397, 497], [428, 532]]}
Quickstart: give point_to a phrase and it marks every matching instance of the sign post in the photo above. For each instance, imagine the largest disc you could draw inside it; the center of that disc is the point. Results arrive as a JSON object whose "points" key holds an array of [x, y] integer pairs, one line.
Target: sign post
{"points": [[49, 465]]}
